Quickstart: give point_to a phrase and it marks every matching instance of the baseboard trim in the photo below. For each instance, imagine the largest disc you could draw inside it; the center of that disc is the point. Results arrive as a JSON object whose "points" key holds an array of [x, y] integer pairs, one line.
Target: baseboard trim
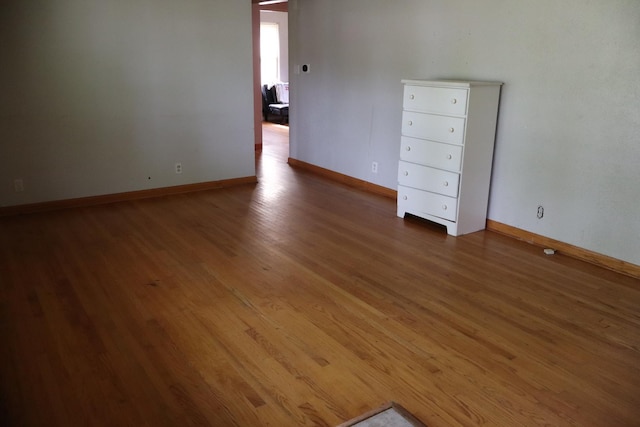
{"points": [[595, 258], [344, 179], [121, 197], [601, 260]]}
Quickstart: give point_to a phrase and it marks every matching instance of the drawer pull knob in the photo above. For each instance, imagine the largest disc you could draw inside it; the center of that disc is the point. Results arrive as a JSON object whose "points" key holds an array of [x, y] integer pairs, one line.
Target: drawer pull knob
{"points": [[406, 173], [404, 197], [410, 123], [412, 96], [454, 101], [444, 207], [449, 156], [446, 184], [408, 148], [451, 130]]}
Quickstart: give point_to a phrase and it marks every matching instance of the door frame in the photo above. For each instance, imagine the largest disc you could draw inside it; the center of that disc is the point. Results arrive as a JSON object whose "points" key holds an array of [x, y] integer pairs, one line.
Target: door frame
{"points": [[257, 92]]}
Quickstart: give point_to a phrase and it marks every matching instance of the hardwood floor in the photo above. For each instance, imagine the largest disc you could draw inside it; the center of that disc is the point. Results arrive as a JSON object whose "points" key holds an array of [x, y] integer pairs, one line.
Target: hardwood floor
{"points": [[298, 301]]}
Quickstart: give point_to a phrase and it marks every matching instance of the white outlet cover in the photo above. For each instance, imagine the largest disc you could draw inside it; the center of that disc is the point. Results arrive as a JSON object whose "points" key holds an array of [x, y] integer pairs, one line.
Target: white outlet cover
{"points": [[18, 185]]}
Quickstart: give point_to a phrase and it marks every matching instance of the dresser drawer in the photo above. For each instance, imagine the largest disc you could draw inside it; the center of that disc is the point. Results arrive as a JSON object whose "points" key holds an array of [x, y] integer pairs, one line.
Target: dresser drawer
{"points": [[431, 126], [430, 153], [422, 203], [428, 178], [435, 100]]}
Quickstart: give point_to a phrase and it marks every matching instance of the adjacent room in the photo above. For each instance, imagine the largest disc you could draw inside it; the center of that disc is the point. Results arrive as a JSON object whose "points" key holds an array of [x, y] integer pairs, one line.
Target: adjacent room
{"points": [[274, 61], [165, 260]]}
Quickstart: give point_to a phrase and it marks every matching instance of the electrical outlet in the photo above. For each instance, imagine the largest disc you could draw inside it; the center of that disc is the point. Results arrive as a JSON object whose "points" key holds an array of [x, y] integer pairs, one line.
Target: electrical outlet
{"points": [[374, 167], [18, 185], [178, 168], [540, 212]]}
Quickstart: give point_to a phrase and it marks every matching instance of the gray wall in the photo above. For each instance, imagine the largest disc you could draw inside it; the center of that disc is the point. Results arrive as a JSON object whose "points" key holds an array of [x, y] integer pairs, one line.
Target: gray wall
{"points": [[98, 96], [569, 125]]}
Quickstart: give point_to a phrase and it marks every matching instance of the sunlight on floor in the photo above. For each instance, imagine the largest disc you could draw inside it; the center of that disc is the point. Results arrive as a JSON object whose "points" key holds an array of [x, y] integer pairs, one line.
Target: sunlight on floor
{"points": [[275, 152]]}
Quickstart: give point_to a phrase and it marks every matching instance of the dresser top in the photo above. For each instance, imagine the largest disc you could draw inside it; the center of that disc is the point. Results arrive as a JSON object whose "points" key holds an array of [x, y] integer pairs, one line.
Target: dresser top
{"points": [[450, 83]]}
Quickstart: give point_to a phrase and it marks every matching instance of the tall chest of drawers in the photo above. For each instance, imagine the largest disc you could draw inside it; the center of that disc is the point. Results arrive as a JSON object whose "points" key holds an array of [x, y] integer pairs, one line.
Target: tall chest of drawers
{"points": [[446, 152]]}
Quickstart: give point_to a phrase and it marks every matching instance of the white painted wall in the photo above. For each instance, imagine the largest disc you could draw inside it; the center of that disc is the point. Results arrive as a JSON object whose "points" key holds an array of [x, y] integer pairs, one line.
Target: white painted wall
{"points": [[101, 97], [282, 19], [569, 126]]}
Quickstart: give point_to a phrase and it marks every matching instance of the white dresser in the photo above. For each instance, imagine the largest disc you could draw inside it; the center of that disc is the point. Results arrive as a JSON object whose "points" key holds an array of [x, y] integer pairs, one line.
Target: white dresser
{"points": [[446, 152]]}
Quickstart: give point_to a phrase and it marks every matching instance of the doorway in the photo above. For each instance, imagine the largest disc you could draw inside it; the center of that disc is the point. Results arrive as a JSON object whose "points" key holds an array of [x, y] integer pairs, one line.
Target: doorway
{"points": [[270, 67]]}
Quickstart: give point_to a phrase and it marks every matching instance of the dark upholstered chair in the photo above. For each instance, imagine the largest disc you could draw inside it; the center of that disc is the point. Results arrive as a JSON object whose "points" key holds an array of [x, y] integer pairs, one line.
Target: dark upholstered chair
{"points": [[271, 106]]}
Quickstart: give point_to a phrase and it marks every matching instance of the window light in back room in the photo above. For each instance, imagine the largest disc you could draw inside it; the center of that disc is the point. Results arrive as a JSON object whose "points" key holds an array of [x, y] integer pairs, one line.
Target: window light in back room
{"points": [[269, 52]]}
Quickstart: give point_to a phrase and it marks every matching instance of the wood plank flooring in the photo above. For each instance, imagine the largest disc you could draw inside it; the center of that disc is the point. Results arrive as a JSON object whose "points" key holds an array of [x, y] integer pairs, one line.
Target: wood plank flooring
{"points": [[301, 302]]}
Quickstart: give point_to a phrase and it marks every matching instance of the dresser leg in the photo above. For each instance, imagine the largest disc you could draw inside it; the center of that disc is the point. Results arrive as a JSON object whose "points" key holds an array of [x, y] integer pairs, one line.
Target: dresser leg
{"points": [[452, 229]]}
